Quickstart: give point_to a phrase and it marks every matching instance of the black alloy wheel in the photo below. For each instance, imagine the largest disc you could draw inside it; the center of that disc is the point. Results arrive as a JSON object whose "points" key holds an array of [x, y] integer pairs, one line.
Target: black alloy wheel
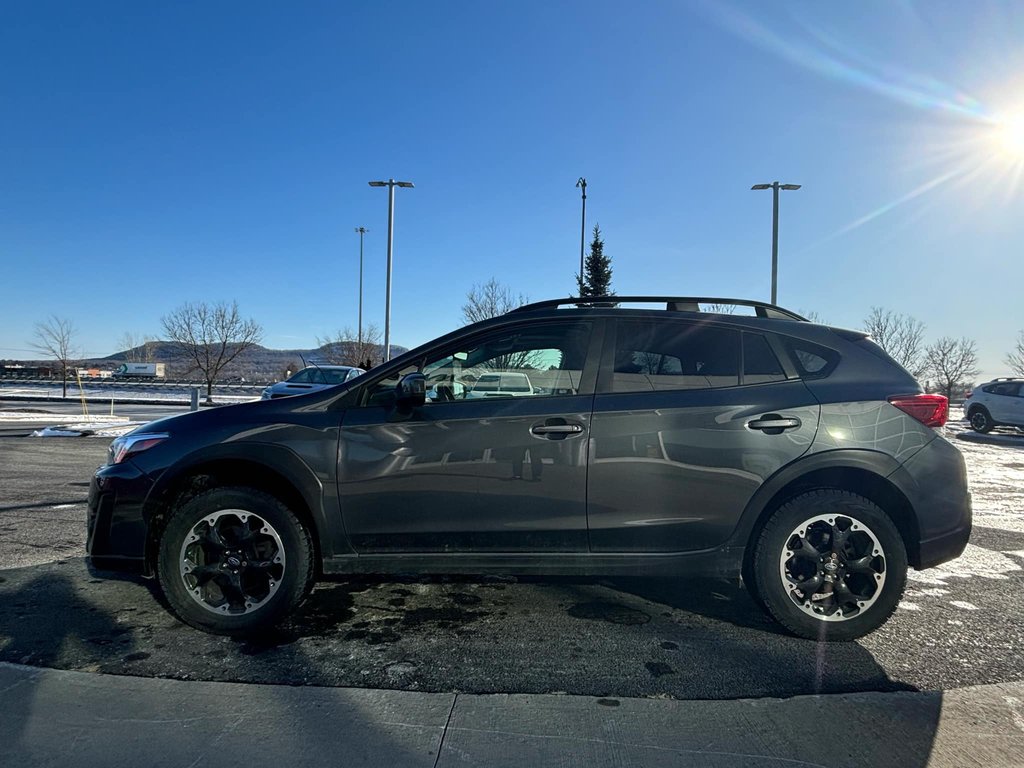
{"points": [[981, 421], [830, 565], [234, 560]]}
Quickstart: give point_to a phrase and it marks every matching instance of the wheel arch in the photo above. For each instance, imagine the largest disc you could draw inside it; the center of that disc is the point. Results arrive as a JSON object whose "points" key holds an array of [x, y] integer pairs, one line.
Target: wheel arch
{"points": [[875, 476], [271, 469]]}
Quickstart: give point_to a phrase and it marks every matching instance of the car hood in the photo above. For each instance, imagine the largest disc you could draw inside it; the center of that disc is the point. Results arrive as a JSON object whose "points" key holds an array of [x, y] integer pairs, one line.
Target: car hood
{"points": [[241, 413]]}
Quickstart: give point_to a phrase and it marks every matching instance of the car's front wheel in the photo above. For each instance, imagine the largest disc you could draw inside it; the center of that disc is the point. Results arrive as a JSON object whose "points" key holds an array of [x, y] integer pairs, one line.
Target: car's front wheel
{"points": [[830, 565], [233, 561], [980, 420]]}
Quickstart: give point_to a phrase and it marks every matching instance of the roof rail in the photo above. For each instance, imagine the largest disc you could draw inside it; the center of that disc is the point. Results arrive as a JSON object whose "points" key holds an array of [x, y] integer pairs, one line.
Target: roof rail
{"points": [[672, 304]]}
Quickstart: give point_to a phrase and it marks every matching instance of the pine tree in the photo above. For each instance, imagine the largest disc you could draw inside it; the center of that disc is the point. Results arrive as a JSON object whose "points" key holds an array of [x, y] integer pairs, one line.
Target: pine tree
{"points": [[596, 279]]}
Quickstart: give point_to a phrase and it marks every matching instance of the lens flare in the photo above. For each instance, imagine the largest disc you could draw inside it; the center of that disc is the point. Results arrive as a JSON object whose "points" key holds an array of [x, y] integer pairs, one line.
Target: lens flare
{"points": [[1008, 135]]}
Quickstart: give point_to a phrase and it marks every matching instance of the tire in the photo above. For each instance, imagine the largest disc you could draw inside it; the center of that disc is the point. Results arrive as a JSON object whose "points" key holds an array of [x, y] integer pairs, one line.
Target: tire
{"points": [[234, 561], [856, 585], [980, 420]]}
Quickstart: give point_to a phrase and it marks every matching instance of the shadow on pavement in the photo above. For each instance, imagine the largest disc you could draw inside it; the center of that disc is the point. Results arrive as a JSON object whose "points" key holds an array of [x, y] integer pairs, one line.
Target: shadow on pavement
{"points": [[49, 596], [118, 721]]}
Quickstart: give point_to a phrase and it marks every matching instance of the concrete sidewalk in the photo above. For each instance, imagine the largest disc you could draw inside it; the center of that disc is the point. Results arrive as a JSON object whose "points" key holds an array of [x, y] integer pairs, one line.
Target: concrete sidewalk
{"points": [[57, 718]]}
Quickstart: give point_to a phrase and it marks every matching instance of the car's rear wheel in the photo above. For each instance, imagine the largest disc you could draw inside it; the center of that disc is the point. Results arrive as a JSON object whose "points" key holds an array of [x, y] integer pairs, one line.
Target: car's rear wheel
{"points": [[980, 420], [830, 565], [233, 561]]}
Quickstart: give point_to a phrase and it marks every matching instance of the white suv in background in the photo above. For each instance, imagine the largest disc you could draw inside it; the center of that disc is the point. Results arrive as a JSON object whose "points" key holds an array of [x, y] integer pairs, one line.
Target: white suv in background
{"points": [[997, 403]]}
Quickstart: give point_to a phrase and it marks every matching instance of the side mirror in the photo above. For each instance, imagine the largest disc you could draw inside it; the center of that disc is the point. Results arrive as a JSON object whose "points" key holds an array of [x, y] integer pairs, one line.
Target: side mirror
{"points": [[411, 391]]}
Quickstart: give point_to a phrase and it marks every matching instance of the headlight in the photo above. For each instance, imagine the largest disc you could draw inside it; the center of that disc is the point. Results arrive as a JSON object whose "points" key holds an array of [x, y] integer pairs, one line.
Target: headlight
{"points": [[123, 448], [265, 394]]}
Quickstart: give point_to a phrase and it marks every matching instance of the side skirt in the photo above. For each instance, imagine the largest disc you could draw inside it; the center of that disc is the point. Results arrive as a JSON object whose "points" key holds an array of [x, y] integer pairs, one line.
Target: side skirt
{"points": [[716, 562]]}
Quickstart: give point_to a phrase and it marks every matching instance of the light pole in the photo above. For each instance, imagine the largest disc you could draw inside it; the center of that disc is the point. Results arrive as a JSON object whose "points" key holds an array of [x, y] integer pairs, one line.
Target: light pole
{"points": [[362, 231], [390, 184], [582, 184], [775, 187]]}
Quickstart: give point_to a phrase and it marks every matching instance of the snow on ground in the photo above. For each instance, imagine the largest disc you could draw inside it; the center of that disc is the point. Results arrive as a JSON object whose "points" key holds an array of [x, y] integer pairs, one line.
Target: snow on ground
{"points": [[96, 425], [21, 417], [995, 475]]}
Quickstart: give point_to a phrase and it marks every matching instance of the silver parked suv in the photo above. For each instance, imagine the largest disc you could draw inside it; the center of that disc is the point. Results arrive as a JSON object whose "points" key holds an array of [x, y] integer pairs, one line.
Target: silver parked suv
{"points": [[997, 403]]}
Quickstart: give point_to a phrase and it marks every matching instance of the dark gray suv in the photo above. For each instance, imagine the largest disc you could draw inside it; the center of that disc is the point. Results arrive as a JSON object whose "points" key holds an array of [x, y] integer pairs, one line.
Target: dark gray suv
{"points": [[663, 441]]}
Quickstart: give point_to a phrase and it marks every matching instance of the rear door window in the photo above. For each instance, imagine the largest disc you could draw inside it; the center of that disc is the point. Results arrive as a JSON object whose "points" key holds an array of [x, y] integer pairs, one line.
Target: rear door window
{"points": [[760, 365], [653, 356]]}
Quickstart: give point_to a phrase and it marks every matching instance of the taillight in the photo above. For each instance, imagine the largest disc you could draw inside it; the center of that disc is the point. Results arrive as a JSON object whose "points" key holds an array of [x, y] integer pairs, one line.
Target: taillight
{"points": [[930, 410]]}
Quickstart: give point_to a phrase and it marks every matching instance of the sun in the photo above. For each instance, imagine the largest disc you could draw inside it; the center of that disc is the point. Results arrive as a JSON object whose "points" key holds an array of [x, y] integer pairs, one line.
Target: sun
{"points": [[1008, 135]]}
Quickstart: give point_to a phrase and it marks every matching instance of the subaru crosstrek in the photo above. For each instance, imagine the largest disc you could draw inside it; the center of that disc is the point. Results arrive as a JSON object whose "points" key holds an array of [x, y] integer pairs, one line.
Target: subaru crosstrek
{"points": [[662, 441], [996, 403]]}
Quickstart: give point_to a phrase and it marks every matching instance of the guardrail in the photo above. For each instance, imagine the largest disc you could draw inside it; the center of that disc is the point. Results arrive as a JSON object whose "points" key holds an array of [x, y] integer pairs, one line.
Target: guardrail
{"points": [[111, 382]]}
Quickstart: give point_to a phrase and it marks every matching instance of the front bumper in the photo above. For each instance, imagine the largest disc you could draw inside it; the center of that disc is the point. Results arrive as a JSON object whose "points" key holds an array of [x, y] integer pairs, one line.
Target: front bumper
{"points": [[115, 525]]}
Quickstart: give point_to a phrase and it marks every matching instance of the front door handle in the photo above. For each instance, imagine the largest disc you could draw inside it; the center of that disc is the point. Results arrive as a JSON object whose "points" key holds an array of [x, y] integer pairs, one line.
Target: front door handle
{"points": [[774, 424], [556, 429]]}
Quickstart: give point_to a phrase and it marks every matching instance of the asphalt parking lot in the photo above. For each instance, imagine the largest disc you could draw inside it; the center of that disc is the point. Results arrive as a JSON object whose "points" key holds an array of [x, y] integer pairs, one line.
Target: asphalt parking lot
{"points": [[958, 625]]}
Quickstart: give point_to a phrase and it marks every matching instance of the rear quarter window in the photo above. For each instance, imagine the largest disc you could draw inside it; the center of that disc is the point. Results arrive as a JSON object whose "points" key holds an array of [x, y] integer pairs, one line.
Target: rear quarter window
{"points": [[812, 361]]}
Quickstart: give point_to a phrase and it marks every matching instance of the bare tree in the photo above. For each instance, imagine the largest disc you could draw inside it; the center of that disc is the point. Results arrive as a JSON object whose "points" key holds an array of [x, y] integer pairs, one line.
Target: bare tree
{"points": [[345, 348], [1015, 357], [490, 300], [720, 309], [55, 338], [901, 336], [952, 362], [813, 316], [211, 336], [137, 347]]}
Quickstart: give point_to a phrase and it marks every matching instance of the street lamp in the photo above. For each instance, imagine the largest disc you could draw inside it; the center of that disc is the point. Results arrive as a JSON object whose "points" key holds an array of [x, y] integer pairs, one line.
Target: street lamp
{"points": [[775, 187], [582, 184], [390, 184], [362, 231]]}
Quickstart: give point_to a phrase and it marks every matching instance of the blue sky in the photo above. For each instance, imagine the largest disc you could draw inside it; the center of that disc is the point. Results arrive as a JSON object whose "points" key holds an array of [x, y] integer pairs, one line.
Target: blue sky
{"points": [[157, 153]]}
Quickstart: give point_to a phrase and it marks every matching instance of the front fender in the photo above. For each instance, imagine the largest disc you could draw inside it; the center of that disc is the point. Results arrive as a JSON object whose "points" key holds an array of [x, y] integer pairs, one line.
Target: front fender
{"points": [[263, 465]]}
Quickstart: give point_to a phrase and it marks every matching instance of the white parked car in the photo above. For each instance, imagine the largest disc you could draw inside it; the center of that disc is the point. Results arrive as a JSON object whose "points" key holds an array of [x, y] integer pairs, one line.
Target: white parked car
{"points": [[502, 384], [997, 403]]}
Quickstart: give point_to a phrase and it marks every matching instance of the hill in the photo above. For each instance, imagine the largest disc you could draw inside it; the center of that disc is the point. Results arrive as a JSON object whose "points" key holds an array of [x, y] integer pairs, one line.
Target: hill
{"points": [[258, 363]]}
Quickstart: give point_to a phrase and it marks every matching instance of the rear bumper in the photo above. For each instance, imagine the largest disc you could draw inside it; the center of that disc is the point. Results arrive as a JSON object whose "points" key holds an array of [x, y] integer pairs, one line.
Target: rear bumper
{"points": [[941, 549], [937, 490], [115, 526]]}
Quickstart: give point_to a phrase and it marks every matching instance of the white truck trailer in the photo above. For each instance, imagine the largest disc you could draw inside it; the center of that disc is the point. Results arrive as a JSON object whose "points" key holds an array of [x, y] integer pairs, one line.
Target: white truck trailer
{"points": [[140, 371]]}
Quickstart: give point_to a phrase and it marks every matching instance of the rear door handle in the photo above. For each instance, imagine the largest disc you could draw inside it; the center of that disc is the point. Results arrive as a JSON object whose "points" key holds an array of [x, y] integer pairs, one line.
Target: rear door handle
{"points": [[774, 424]]}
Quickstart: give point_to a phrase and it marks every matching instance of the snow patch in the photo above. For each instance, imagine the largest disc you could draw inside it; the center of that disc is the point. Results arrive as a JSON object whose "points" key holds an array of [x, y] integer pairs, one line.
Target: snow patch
{"points": [[964, 605], [87, 429], [17, 416], [974, 562]]}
